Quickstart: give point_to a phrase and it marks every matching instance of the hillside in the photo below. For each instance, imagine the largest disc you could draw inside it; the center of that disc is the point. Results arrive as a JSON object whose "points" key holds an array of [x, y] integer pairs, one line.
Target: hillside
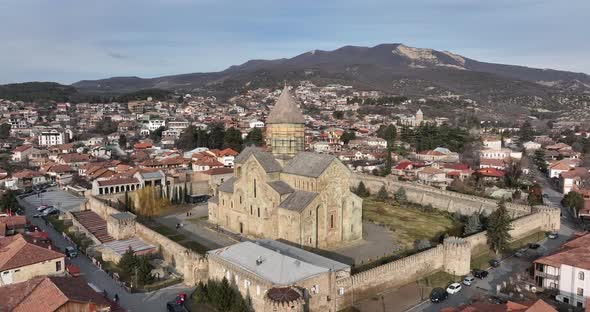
{"points": [[378, 67], [36, 91]]}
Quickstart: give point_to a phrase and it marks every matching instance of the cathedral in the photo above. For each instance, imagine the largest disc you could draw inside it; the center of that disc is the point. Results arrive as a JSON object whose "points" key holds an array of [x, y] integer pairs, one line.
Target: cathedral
{"points": [[283, 192]]}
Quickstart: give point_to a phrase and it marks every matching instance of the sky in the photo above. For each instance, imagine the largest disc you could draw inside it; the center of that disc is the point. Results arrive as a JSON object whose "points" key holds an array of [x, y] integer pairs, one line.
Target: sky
{"points": [[71, 40]]}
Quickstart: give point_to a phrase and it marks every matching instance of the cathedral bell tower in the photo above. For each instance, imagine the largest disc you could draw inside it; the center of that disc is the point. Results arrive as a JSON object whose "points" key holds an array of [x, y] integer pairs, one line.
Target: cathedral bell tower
{"points": [[285, 127]]}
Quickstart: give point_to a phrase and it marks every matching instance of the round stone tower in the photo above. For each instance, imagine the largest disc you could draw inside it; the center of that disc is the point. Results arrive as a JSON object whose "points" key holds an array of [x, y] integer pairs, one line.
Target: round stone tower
{"points": [[283, 299], [285, 127], [457, 256]]}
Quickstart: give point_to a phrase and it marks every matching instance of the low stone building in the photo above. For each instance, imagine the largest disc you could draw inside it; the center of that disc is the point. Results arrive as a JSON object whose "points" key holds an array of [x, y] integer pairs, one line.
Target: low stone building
{"points": [[277, 276]]}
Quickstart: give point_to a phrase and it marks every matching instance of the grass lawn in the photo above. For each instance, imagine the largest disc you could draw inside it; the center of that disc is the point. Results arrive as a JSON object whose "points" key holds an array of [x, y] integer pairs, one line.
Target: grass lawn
{"points": [[409, 223], [438, 279]]}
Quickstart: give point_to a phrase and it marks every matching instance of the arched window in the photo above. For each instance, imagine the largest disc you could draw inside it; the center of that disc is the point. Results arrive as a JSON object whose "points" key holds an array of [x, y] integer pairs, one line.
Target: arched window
{"points": [[581, 276], [254, 188]]}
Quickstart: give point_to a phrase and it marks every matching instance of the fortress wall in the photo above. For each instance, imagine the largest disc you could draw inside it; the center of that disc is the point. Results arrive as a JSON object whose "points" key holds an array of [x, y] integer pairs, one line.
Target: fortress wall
{"points": [[439, 199], [192, 266]]}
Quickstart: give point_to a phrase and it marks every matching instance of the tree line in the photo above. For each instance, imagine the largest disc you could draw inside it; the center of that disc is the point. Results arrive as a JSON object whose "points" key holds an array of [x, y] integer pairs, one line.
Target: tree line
{"points": [[217, 137]]}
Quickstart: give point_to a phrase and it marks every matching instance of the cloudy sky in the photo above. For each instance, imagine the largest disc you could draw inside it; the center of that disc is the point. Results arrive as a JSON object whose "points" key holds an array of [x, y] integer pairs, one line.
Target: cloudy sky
{"points": [[70, 40]]}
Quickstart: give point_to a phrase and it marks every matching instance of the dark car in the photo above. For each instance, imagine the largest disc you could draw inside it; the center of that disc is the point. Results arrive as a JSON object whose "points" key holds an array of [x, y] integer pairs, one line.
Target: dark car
{"points": [[172, 306], [71, 252], [481, 274], [496, 300], [534, 246], [494, 263], [438, 294]]}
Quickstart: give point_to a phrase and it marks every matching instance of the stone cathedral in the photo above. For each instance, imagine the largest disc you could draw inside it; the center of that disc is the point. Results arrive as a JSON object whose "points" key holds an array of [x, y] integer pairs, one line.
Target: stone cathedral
{"points": [[283, 192]]}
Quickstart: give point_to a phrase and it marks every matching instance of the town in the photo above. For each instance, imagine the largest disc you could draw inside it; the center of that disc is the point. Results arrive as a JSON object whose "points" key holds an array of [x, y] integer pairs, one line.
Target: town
{"points": [[289, 199]]}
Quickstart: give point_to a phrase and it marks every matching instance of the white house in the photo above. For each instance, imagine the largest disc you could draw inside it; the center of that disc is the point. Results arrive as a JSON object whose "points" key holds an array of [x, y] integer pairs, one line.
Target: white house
{"points": [[531, 146], [52, 137], [154, 124], [256, 124], [567, 271]]}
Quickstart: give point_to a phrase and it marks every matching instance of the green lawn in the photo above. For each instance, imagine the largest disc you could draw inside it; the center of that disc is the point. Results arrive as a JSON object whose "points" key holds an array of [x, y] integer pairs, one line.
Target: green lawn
{"points": [[438, 279], [409, 223]]}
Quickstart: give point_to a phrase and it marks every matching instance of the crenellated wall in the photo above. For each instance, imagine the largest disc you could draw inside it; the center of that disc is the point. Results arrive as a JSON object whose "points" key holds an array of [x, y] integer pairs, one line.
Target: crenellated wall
{"points": [[440, 199]]}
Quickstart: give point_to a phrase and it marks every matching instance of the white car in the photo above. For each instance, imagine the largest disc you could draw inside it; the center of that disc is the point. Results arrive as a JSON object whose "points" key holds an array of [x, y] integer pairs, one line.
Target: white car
{"points": [[454, 288], [467, 281], [43, 207]]}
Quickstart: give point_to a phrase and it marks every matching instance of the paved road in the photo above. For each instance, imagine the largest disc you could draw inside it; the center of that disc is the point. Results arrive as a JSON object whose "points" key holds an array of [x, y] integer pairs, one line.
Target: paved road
{"points": [[512, 265], [144, 302], [197, 232]]}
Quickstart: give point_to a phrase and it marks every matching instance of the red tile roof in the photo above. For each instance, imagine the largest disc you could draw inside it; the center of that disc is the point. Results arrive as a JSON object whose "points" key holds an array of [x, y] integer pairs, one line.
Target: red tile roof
{"points": [[49, 294], [21, 148], [18, 251], [491, 172]]}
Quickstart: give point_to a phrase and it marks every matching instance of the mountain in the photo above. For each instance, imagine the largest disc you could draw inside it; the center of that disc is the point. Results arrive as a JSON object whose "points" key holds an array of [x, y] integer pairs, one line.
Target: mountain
{"points": [[394, 68], [36, 91]]}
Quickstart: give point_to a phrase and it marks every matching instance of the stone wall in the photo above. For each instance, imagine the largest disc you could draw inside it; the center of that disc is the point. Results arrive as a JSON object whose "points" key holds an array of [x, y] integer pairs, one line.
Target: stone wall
{"points": [[453, 256], [192, 266], [439, 199]]}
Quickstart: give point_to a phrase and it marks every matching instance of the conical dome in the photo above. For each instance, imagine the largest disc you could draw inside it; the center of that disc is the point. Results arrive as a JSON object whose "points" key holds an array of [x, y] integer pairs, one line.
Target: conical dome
{"points": [[285, 110]]}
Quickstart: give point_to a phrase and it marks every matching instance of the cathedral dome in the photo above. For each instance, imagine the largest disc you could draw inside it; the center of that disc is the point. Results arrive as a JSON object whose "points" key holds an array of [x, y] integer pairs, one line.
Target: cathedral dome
{"points": [[285, 110]]}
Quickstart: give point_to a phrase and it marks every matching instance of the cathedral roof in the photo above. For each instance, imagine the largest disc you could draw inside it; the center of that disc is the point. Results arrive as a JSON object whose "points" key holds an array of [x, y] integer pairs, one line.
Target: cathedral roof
{"points": [[308, 164], [228, 185], [298, 200], [266, 160], [285, 110], [281, 187]]}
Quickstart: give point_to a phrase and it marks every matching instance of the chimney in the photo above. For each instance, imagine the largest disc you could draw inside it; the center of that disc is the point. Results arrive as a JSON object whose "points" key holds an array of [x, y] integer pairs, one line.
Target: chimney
{"points": [[49, 247]]}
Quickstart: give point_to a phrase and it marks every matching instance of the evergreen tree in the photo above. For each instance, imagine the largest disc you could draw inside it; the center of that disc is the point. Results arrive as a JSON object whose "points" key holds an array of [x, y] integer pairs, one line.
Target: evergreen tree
{"points": [[362, 190], [498, 228], [382, 193], [255, 137], [400, 195], [388, 133], [233, 139], [473, 225], [122, 141], [574, 201], [128, 261], [216, 136], [388, 163], [347, 136]]}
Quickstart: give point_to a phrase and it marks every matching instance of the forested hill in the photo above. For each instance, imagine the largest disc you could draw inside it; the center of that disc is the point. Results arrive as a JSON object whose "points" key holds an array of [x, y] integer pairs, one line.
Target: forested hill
{"points": [[37, 92]]}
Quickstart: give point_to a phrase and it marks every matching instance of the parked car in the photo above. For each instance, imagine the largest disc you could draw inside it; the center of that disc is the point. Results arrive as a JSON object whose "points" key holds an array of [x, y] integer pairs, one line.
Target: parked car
{"points": [[552, 235], [494, 263], [50, 211], [481, 274], [438, 294], [71, 252], [534, 246], [496, 300], [468, 280], [173, 307], [43, 207], [454, 288]]}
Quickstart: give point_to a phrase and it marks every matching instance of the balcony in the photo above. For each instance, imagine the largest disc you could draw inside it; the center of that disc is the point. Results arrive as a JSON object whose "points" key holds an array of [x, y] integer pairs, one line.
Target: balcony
{"points": [[546, 275]]}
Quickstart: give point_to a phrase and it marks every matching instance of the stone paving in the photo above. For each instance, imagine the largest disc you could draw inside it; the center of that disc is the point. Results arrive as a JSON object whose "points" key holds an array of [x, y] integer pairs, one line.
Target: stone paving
{"points": [[58, 198]]}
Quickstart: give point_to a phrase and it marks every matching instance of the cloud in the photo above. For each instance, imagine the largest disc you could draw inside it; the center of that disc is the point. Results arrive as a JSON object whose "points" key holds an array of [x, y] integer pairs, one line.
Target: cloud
{"points": [[72, 40]]}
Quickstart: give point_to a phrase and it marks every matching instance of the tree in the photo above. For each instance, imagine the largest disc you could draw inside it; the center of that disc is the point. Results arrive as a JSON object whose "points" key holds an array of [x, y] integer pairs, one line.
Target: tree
{"points": [[156, 135], [338, 114], [473, 225], [128, 262], [422, 244], [216, 136], [388, 133], [347, 136], [362, 190], [122, 141], [539, 159], [382, 193], [255, 137], [388, 163], [8, 202], [5, 130], [535, 196], [144, 271], [233, 139], [498, 228], [148, 202], [513, 172], [526, 132], [574, 201], [400, 195]]}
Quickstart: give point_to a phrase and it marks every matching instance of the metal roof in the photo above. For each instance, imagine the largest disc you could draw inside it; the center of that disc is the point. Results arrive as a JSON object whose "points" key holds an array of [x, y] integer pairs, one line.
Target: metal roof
{"points": [[285, 110], [308, 164], [298, 200]]}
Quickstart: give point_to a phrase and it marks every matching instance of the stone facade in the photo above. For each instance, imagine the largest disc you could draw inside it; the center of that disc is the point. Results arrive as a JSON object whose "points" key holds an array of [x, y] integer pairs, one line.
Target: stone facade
{"points": [[301, 197]]}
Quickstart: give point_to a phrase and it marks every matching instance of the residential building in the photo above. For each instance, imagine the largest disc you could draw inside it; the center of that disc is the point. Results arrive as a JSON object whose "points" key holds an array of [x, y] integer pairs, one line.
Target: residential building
{"points": [[567, 271], [52, 137], [22, 259], [53, 294]]}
